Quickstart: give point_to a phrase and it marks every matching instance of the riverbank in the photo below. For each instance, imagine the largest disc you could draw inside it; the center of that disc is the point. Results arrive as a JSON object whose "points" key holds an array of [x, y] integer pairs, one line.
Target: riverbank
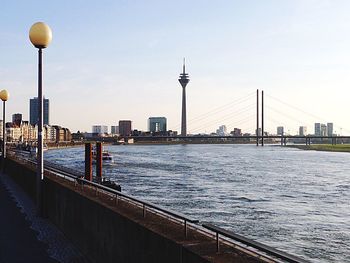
{"points": [[51, 146], [323, 147]]}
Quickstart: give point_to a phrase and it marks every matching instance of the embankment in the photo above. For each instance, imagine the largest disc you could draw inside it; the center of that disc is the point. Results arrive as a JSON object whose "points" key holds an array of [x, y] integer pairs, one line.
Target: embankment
{"points": [[110, 230]]}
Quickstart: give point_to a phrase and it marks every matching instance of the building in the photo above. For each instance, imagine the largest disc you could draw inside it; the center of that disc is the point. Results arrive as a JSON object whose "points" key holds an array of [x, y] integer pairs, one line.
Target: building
{"points": [[27, 131], [184, 79], [280, 130], [78, 136], [114, 130], [13, 132], [67, 135], [222, 131], [323, 130], [317, 129], [100, 129], [302, 131], [17, 119], [329, 129], [236, 132], [124, 127], [34, 111], [157, 124]]}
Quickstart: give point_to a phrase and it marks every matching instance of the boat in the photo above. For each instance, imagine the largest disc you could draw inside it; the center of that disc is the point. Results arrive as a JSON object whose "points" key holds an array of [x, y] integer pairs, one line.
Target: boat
{"points": [[106, 157], [111, 184]]}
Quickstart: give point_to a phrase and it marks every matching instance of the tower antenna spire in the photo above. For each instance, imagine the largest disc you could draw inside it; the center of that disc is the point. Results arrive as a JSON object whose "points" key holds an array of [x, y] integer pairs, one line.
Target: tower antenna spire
{"points": [[184, 70]]}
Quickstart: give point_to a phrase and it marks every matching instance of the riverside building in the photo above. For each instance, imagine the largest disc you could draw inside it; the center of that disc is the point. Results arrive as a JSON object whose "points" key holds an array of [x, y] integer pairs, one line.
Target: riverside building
{"points": [[114, 130], [302, 130], [157, 124], [34, 110], [100, 129], [17, 119], [125, 127]]}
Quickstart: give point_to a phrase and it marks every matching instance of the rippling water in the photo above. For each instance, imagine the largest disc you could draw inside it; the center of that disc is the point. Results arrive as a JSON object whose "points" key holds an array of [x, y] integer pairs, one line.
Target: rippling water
{"points": [[297, 201]]}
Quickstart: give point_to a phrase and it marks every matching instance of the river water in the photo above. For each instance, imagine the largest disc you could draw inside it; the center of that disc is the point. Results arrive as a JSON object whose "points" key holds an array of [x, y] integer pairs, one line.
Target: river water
{"points": [[297, 201]]}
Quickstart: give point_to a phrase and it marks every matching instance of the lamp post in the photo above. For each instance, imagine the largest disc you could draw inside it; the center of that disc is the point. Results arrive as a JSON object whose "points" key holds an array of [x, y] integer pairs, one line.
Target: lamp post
{"points": [[4, 96], [40, 35]]}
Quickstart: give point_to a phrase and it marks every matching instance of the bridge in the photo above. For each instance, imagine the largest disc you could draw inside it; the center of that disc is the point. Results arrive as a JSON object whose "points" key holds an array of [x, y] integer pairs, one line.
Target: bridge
{"points": [[254, 113], [259, 140]]}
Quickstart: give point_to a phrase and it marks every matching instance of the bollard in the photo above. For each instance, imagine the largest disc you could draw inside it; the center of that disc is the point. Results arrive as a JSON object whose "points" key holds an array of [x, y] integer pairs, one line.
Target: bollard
{"points": [[88, 161], [99, 162]]}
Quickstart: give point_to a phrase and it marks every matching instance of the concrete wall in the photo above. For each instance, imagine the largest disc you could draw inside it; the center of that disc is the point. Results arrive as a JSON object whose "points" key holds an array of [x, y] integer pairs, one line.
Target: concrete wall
{"points": [[102, 235], [23, 176]]}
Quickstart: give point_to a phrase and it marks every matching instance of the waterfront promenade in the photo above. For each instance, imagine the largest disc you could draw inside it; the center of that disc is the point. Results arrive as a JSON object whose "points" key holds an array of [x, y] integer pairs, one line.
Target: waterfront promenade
{"points": [[24, 236]]}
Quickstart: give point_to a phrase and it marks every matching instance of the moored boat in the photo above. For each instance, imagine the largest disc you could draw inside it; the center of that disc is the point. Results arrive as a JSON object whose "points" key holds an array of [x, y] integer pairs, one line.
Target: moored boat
{"points": [[106, 157]]}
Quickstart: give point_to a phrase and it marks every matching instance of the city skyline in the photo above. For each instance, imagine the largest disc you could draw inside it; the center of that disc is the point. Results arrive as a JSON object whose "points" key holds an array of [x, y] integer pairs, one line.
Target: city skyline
{"points": [[295, 51], [319, 128]]}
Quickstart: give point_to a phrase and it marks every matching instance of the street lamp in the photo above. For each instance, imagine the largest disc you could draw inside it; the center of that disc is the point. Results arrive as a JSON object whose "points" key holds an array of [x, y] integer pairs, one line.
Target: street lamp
{"points": [[40, 35], [4, 96]]}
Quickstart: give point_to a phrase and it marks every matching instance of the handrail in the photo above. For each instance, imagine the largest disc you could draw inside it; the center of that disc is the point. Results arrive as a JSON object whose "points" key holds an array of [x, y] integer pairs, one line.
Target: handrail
{"points": [[53, 167], [252, 243]]}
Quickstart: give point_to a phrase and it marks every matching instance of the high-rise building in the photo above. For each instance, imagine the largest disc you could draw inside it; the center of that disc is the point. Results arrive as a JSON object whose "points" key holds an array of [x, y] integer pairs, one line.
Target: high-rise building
{"points": [[100, 129], [323, 130], [329, 129], [114, 130], [317, 129], [124, 127], [34, 111], [236, 132], [280, 130], [222, 131], [157, 124], [17, 119], [302, 131], [184, 79]]}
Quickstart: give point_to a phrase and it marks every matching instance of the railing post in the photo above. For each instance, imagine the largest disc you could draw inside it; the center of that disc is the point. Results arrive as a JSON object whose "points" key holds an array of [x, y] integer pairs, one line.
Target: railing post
{"points": [[185, 227], [217, 243], [257, 117], [262, 118], [99, 161], [88, 161]]}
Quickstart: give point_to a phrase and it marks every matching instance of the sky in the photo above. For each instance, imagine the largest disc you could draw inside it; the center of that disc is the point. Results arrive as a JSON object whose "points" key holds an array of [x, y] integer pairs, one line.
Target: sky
{"points": [[113, 60]]}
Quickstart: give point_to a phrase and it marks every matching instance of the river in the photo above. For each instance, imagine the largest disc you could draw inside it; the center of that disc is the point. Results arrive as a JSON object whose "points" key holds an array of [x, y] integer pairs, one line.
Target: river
{"points": [[297, 201]]}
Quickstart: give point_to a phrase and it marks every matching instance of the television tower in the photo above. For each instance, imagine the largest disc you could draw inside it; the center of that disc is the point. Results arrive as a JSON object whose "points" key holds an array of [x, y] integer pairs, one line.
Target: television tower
{"points": [[184, 79]]}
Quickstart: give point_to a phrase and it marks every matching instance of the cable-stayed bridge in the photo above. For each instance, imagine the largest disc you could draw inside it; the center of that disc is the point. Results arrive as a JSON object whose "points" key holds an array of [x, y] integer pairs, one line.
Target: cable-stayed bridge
{"points": [[248, 113]]}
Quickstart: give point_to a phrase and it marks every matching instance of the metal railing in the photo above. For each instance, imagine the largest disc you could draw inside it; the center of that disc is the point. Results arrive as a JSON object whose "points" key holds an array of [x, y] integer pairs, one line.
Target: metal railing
{"points": [[78, 177], [252, 243]]}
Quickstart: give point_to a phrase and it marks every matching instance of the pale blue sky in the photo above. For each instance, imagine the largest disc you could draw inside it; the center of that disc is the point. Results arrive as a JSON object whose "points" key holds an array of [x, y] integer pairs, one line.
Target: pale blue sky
{"points": [[112, 60]]}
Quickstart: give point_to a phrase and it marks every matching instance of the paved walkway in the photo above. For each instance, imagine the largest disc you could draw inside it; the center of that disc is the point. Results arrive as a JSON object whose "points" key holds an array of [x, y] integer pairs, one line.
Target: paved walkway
{"points": [[26, 238]]}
